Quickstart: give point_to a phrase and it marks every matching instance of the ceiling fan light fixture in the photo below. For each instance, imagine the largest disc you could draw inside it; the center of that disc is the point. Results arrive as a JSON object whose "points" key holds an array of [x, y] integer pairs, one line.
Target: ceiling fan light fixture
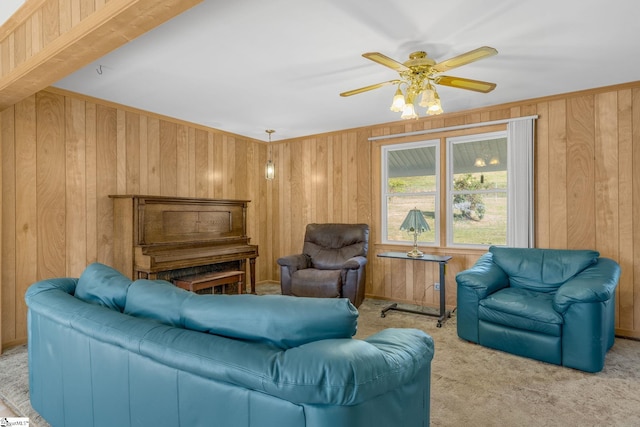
{"points": [[409, 112], [398, 103], [419, 74], [435, 108], [428, 96]]}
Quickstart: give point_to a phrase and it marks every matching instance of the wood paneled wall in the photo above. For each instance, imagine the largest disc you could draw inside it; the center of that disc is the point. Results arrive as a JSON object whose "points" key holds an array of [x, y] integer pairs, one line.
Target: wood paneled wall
{"points": [[62, 155], [325, 178]]}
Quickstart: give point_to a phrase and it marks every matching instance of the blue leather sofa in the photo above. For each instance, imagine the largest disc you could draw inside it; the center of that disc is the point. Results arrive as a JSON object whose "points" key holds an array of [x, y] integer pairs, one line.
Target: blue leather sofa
{"points": [[105, 351], [557, 306]]}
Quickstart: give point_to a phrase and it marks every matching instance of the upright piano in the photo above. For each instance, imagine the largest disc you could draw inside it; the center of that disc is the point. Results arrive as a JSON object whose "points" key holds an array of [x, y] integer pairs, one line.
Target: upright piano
{"points": [[157, 237]]}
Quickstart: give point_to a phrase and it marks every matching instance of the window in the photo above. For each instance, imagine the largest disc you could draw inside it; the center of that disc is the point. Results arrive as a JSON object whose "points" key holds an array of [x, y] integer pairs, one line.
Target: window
{"points": [[477, 182], [410, 177], [488, 197]]}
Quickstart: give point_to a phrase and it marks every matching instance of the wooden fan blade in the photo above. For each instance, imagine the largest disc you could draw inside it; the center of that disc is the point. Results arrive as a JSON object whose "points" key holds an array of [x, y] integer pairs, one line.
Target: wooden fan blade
{"points": [[386, 61], [465, 58], [461, 83], [367, 88]]}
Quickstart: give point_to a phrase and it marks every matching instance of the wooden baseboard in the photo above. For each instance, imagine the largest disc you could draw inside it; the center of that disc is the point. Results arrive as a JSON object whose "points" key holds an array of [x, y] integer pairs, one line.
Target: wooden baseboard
{"points": [[626, 333], [10, 344]]}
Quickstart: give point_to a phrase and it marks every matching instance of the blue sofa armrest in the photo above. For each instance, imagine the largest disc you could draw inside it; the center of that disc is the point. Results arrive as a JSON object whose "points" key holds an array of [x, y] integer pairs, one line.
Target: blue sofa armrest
{"points": [[65, 284], [596, 283], [327, 372], [474, 284], [360, 369]]}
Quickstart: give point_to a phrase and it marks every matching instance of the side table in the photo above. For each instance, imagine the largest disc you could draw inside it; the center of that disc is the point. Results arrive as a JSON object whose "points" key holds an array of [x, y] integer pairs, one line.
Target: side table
{"points": [[444, 314]]}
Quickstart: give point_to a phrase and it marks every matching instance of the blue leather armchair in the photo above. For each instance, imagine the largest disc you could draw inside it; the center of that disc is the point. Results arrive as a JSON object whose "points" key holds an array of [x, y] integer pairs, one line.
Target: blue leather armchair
{"points": [[553, 305]]}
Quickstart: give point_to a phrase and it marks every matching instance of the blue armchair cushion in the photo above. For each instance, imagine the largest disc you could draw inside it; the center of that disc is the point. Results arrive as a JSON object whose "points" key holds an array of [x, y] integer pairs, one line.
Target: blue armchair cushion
{"points": [[542, 270], [522, 309], [102, 285], [264, 318]]}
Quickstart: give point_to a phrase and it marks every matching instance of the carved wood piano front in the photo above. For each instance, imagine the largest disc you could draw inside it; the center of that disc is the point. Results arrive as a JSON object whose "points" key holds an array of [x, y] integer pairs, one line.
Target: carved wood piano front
{"points": [[158, 237]]}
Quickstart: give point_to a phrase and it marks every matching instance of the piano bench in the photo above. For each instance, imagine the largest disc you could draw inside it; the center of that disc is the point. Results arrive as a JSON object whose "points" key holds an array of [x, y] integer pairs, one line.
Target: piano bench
{"points": [[198, 282]]}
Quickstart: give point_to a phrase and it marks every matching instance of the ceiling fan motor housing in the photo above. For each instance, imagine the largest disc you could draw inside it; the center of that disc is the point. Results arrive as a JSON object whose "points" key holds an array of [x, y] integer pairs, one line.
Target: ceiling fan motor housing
{"points": [[419, 59]]}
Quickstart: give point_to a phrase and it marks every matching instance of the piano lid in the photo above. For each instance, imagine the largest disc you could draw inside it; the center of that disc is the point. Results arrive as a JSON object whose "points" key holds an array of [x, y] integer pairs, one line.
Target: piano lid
{"points": [[177, 221]]}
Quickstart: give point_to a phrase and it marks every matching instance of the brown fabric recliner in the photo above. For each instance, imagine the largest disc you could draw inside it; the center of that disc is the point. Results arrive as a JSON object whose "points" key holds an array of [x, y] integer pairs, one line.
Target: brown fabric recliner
{"points": [[332, 264]]}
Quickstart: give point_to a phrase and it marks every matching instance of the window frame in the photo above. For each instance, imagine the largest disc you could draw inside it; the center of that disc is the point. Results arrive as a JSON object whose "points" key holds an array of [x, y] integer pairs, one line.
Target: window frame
{"points": [[449, 211], [385, 150]]}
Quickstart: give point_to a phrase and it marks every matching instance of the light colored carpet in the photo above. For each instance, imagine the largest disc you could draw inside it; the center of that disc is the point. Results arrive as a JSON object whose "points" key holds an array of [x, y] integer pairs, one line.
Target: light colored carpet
{"points": [[470, 385], [14, 385], [475, 386]]}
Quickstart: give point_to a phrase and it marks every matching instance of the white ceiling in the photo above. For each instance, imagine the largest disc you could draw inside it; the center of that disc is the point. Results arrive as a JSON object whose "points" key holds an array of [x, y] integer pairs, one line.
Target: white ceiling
{"points": [[7, 8], [246, 66]]}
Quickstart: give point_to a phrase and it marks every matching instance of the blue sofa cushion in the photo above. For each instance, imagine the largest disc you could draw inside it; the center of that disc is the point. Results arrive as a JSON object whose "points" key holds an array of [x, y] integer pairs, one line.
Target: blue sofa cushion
{"points": [[157, 300], [269, 318], [522, 309], [102, 285], [542, 270], [265, 318]]}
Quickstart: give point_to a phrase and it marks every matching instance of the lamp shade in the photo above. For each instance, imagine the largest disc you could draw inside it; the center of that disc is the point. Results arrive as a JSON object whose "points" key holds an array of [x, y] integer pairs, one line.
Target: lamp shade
{"points": [[269, 170], [428, 97], [409, 112], [415, 222], [398, 101]]}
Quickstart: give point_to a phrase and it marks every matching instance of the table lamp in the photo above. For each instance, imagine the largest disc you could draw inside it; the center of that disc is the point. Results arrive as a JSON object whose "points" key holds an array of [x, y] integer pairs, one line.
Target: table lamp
{"points": [[416, 224]]}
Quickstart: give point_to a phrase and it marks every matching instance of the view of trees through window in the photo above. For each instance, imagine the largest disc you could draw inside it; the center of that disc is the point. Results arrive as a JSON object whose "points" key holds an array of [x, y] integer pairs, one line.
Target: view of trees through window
{"points": [[479, 191], [476, 209], [479, 212]]}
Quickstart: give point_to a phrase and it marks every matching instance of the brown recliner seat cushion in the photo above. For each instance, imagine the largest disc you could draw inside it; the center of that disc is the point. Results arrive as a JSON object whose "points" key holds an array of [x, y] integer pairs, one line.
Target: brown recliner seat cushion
{"points": [[312, 282]]}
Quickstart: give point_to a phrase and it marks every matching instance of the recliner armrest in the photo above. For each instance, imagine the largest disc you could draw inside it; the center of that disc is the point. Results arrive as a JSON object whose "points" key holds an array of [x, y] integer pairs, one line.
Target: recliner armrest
{"points": [[596, 283], [354, 263], [294, 262]]}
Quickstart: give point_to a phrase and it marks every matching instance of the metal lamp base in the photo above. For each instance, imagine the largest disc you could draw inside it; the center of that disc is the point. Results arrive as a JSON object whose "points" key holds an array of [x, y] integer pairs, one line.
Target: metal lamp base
{"points": [[415, 253]]}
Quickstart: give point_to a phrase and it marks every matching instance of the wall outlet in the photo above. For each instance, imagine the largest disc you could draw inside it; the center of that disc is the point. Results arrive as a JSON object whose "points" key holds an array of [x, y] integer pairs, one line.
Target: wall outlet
{"points": [[436, 286]]}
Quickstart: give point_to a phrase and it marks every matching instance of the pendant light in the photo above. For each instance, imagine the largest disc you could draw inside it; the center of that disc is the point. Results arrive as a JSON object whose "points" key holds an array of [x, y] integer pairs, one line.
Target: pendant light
{"points": [[269, 167]]}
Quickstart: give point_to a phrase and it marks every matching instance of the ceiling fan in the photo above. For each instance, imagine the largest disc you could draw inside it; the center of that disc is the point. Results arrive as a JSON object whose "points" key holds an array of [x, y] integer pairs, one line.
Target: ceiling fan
{"points": [[419, 73]]}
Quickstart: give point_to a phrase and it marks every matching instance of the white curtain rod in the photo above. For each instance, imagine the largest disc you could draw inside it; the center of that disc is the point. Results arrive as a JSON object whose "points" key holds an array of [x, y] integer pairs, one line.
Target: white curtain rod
{"points": [[468, 126]]}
